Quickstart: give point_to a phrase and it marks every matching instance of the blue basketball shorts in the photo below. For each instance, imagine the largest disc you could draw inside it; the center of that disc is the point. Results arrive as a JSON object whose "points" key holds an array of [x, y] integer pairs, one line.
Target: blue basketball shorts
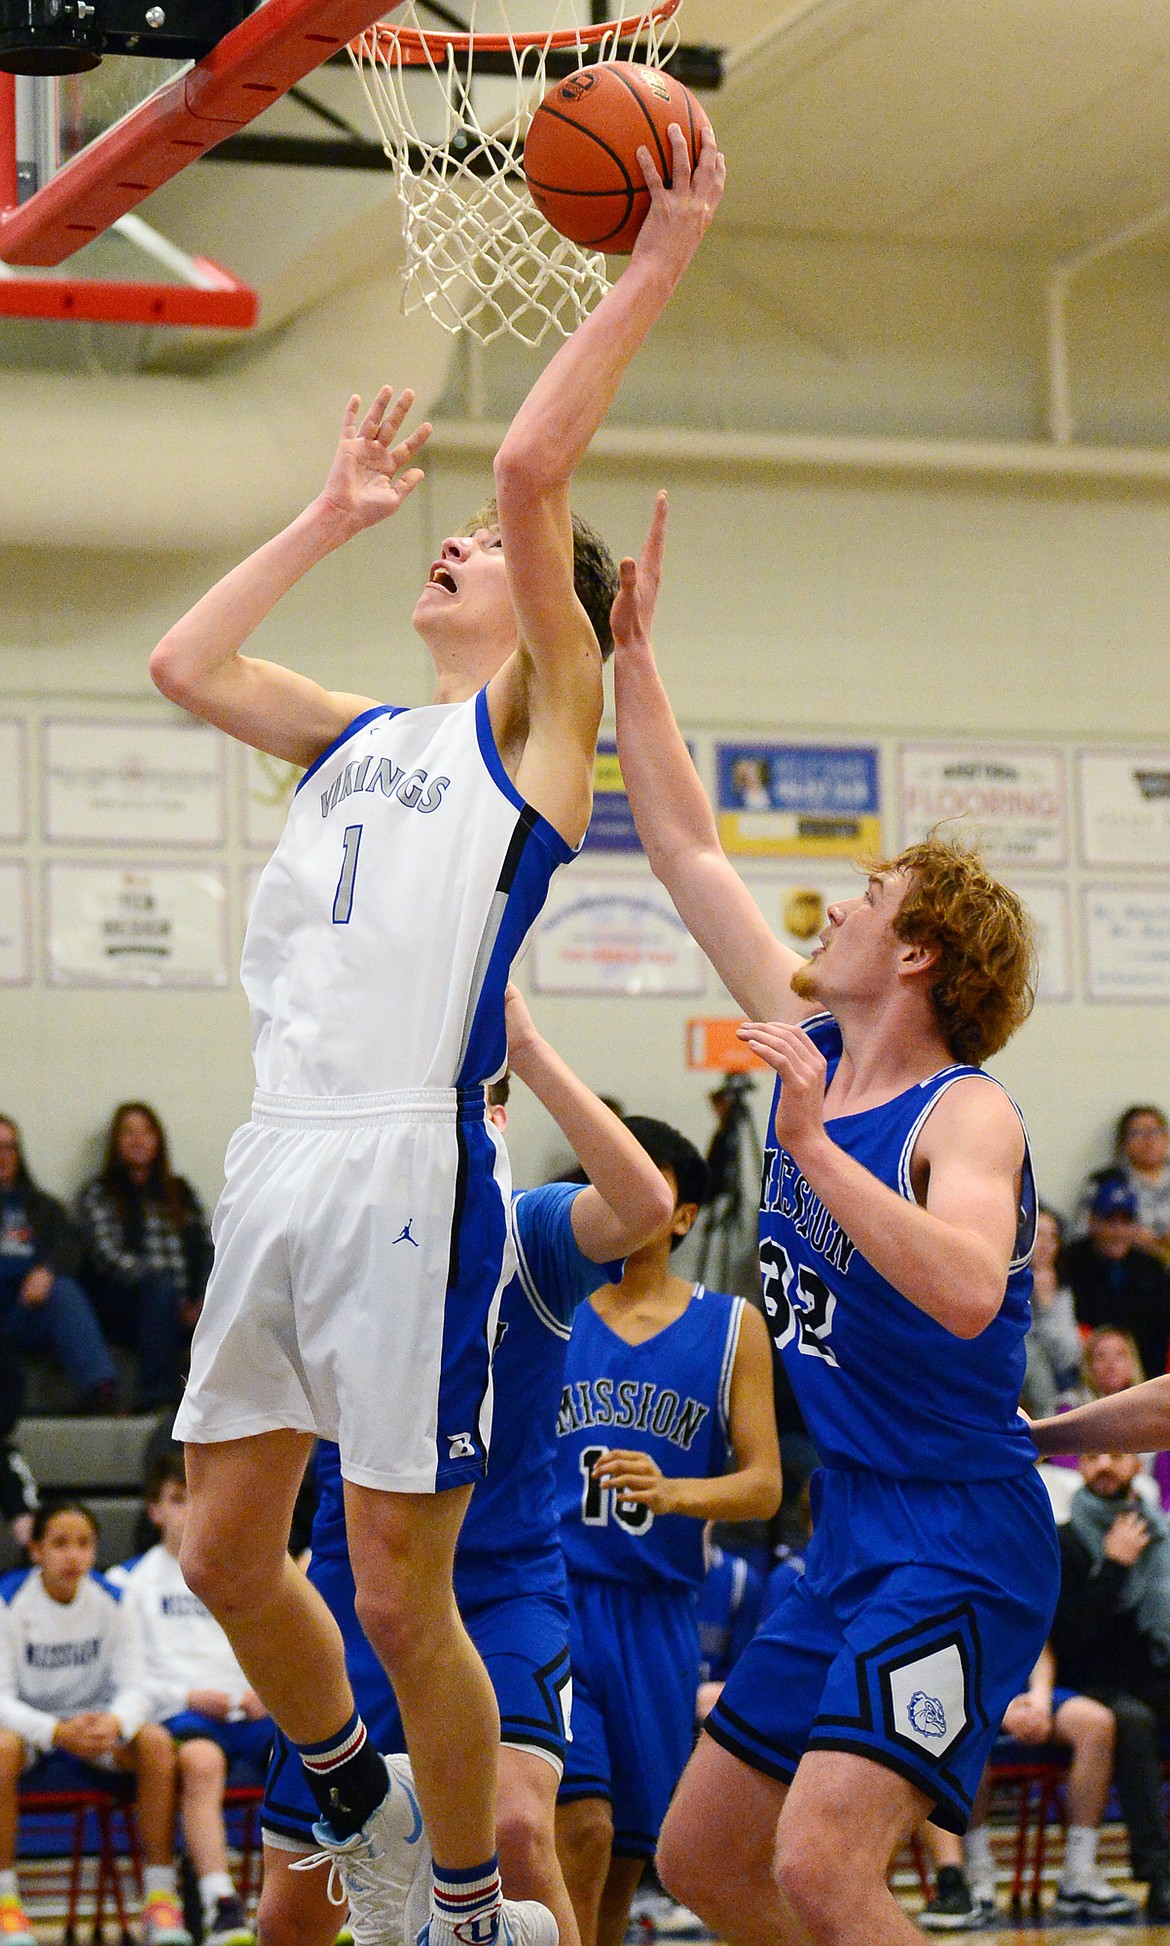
{"points": [[246, 1745], [635, 1658], [524, 1642], [922, 1611]]}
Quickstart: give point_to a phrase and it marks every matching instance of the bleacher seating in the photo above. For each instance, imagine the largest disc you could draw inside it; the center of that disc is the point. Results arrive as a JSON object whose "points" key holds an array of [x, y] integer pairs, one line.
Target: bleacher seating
{"points": [[101, 1461]]}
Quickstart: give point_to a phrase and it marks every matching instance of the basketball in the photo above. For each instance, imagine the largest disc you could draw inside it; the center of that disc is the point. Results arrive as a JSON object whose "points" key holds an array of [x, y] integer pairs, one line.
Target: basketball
{"points": [[581, 153]]}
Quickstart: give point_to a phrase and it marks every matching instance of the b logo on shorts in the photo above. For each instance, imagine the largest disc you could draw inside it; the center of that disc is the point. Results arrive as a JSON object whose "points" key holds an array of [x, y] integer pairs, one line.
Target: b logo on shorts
{"points": [[460, 1445]]}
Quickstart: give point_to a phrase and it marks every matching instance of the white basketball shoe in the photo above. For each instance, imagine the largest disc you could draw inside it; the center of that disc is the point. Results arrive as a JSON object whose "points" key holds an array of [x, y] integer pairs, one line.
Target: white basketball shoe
{"points": [[384, 1870]]}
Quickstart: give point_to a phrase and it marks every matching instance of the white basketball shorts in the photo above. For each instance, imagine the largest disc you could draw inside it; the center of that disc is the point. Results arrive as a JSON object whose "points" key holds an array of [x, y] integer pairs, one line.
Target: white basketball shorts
{"points": [[361, 1251]]}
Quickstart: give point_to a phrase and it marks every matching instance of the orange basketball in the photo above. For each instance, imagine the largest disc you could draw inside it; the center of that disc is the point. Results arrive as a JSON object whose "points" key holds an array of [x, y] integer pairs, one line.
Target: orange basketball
{"points": [[581, 154]]}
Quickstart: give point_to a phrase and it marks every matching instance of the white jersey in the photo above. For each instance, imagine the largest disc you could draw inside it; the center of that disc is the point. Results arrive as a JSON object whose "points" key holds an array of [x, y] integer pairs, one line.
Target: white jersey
{"points": [[184, 1647], [386, 921], [60, 1659]]}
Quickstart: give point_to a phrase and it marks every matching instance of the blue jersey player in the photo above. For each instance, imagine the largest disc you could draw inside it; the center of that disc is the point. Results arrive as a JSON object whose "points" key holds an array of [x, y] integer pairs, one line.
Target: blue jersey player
{"points": [[509, 1570], [666, 1384], [896, 1228]]}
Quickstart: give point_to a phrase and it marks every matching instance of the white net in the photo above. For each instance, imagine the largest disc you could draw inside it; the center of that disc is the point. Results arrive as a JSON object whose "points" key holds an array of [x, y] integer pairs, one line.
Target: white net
{"points": [[479, 255]]}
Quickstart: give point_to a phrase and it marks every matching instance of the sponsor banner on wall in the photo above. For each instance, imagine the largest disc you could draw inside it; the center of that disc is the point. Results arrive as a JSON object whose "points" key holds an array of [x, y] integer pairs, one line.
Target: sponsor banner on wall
{"points": [[1048, 906], [133, 783], [136, 926], [268, 786], [1011, 803], [15, 930], [1127, 942], [1124, 799], [784, 800], [606, 934], [13, 781]]}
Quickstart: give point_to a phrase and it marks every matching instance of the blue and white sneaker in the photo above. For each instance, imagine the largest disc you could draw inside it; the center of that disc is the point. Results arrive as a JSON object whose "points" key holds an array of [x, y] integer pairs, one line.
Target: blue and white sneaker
{"points": [[384, 1870], [523, 1922]]}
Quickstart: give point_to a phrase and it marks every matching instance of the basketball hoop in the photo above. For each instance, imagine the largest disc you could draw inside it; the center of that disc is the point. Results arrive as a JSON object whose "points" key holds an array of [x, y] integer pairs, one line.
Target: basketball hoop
{"points": [[479, 255]]}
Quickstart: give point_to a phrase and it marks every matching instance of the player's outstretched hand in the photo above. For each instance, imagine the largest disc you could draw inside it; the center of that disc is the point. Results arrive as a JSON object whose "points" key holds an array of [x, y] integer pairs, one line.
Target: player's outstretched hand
{"points": [[788, 1051], [679, 217], [632, 616], [635, 1476], [371, 474]]}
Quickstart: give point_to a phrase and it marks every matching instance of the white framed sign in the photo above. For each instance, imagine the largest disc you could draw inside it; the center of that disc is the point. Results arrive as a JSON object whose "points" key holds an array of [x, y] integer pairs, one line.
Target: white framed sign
{"points": [[13, 780], [1124, 800], [1048, 906], [611, 934], [133, 783], [267, 788], [136, 925], [15, 927], [1127, 942], [1011, 803]]}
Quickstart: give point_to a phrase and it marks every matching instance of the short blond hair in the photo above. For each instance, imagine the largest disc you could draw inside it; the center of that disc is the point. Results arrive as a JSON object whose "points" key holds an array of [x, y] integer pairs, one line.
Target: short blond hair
{"points": [[984, 983]]}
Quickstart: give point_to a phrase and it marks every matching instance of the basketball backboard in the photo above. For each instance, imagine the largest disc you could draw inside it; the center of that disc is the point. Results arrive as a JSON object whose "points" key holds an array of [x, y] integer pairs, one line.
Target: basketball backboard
{"points": [[62, 184]]}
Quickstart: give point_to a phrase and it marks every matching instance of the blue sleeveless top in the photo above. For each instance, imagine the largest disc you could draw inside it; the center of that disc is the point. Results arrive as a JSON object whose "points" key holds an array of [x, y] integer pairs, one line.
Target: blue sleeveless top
{"points": [[880, 1384], [667, 1397]]}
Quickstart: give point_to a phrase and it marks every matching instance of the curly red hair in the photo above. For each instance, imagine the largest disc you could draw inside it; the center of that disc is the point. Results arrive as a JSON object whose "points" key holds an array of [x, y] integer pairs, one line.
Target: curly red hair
{"points": [[984, 982]]}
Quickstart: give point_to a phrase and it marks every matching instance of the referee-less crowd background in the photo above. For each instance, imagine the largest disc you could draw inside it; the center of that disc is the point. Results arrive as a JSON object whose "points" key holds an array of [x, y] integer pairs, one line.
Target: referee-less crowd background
{"points": [[106, 1660]]}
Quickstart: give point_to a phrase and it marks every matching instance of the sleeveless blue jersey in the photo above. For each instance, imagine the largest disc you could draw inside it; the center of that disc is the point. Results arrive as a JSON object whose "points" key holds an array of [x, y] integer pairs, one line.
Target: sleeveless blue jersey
{"points": [[509, 1543], [667, 1397], [879, 1383]]}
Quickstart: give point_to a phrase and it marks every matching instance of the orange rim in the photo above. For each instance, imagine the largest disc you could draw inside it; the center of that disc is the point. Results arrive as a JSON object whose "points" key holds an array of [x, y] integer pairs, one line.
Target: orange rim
{"points": [[415, 49]]}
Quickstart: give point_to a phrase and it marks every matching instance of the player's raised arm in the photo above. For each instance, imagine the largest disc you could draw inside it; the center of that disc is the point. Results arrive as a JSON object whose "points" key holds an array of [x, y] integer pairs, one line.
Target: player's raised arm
{"points": [[198, 662], [674, 818], [1137, 1421], [628, 1198], [751, 1489], [560, 669]]}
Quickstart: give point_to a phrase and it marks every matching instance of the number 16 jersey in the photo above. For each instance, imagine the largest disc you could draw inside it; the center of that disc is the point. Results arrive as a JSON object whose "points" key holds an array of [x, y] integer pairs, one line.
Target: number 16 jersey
{"points": [[385, 923]]}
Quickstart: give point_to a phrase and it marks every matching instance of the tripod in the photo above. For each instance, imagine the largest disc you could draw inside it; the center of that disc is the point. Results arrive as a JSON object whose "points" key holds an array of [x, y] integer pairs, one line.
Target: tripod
{"points": [[728, 1226]]}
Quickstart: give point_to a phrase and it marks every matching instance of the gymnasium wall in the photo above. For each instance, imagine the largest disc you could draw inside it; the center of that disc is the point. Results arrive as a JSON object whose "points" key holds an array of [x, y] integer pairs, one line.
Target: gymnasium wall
{"points": [[816, 600]]}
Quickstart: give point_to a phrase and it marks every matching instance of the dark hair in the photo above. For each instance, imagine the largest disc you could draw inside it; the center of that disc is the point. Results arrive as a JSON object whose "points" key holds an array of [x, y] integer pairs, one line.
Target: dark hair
{"points": [[46, 1511], [498, 1091], [170, 1464], [1131, 1115], [23, 1178], [595, 572], [162, 1187], [670, 1149]]}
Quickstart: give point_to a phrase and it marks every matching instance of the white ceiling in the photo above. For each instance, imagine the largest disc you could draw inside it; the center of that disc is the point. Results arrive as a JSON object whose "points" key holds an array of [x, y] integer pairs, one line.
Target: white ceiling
{"points": [[1042, 123]]}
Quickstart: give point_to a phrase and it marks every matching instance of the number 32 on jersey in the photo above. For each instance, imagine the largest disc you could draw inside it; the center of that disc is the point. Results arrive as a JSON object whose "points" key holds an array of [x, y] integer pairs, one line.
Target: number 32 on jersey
{"points": [[799, 1304]]}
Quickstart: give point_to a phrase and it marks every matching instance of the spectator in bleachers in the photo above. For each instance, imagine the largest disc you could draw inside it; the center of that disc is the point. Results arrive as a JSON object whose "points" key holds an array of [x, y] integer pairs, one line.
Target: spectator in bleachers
{"points": [[201, 1696], [73, 1710], [1142, 1158], [1111, 1637], [43, 1309], [1053, 1343], [19, 1498], [148, 1251], [1114, 1281], [965, 1883]]}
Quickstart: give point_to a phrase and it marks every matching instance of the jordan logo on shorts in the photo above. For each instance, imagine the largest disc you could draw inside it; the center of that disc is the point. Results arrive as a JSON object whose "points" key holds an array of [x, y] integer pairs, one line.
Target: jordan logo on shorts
{"points": [[406, 1237], [460, 1444]]}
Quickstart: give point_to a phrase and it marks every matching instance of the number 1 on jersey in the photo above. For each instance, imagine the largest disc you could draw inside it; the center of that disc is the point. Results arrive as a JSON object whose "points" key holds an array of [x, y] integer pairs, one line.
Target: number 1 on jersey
{"points": [[343, 897]]}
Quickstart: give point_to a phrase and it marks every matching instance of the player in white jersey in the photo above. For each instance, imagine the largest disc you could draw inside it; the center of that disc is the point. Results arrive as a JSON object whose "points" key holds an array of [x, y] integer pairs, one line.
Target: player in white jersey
{"points": [[73, 1705], [361, 1238]]}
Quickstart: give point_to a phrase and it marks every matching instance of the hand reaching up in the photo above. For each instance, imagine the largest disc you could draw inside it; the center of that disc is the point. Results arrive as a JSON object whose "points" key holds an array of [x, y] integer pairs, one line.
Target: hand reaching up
{"points": [[366, 481], [632, 615]]}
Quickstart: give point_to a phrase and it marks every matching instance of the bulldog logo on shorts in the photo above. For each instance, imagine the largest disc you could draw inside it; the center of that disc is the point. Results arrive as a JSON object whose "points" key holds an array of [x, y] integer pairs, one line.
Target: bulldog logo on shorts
{"points": [[926, 1699], [927, 1714]]}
